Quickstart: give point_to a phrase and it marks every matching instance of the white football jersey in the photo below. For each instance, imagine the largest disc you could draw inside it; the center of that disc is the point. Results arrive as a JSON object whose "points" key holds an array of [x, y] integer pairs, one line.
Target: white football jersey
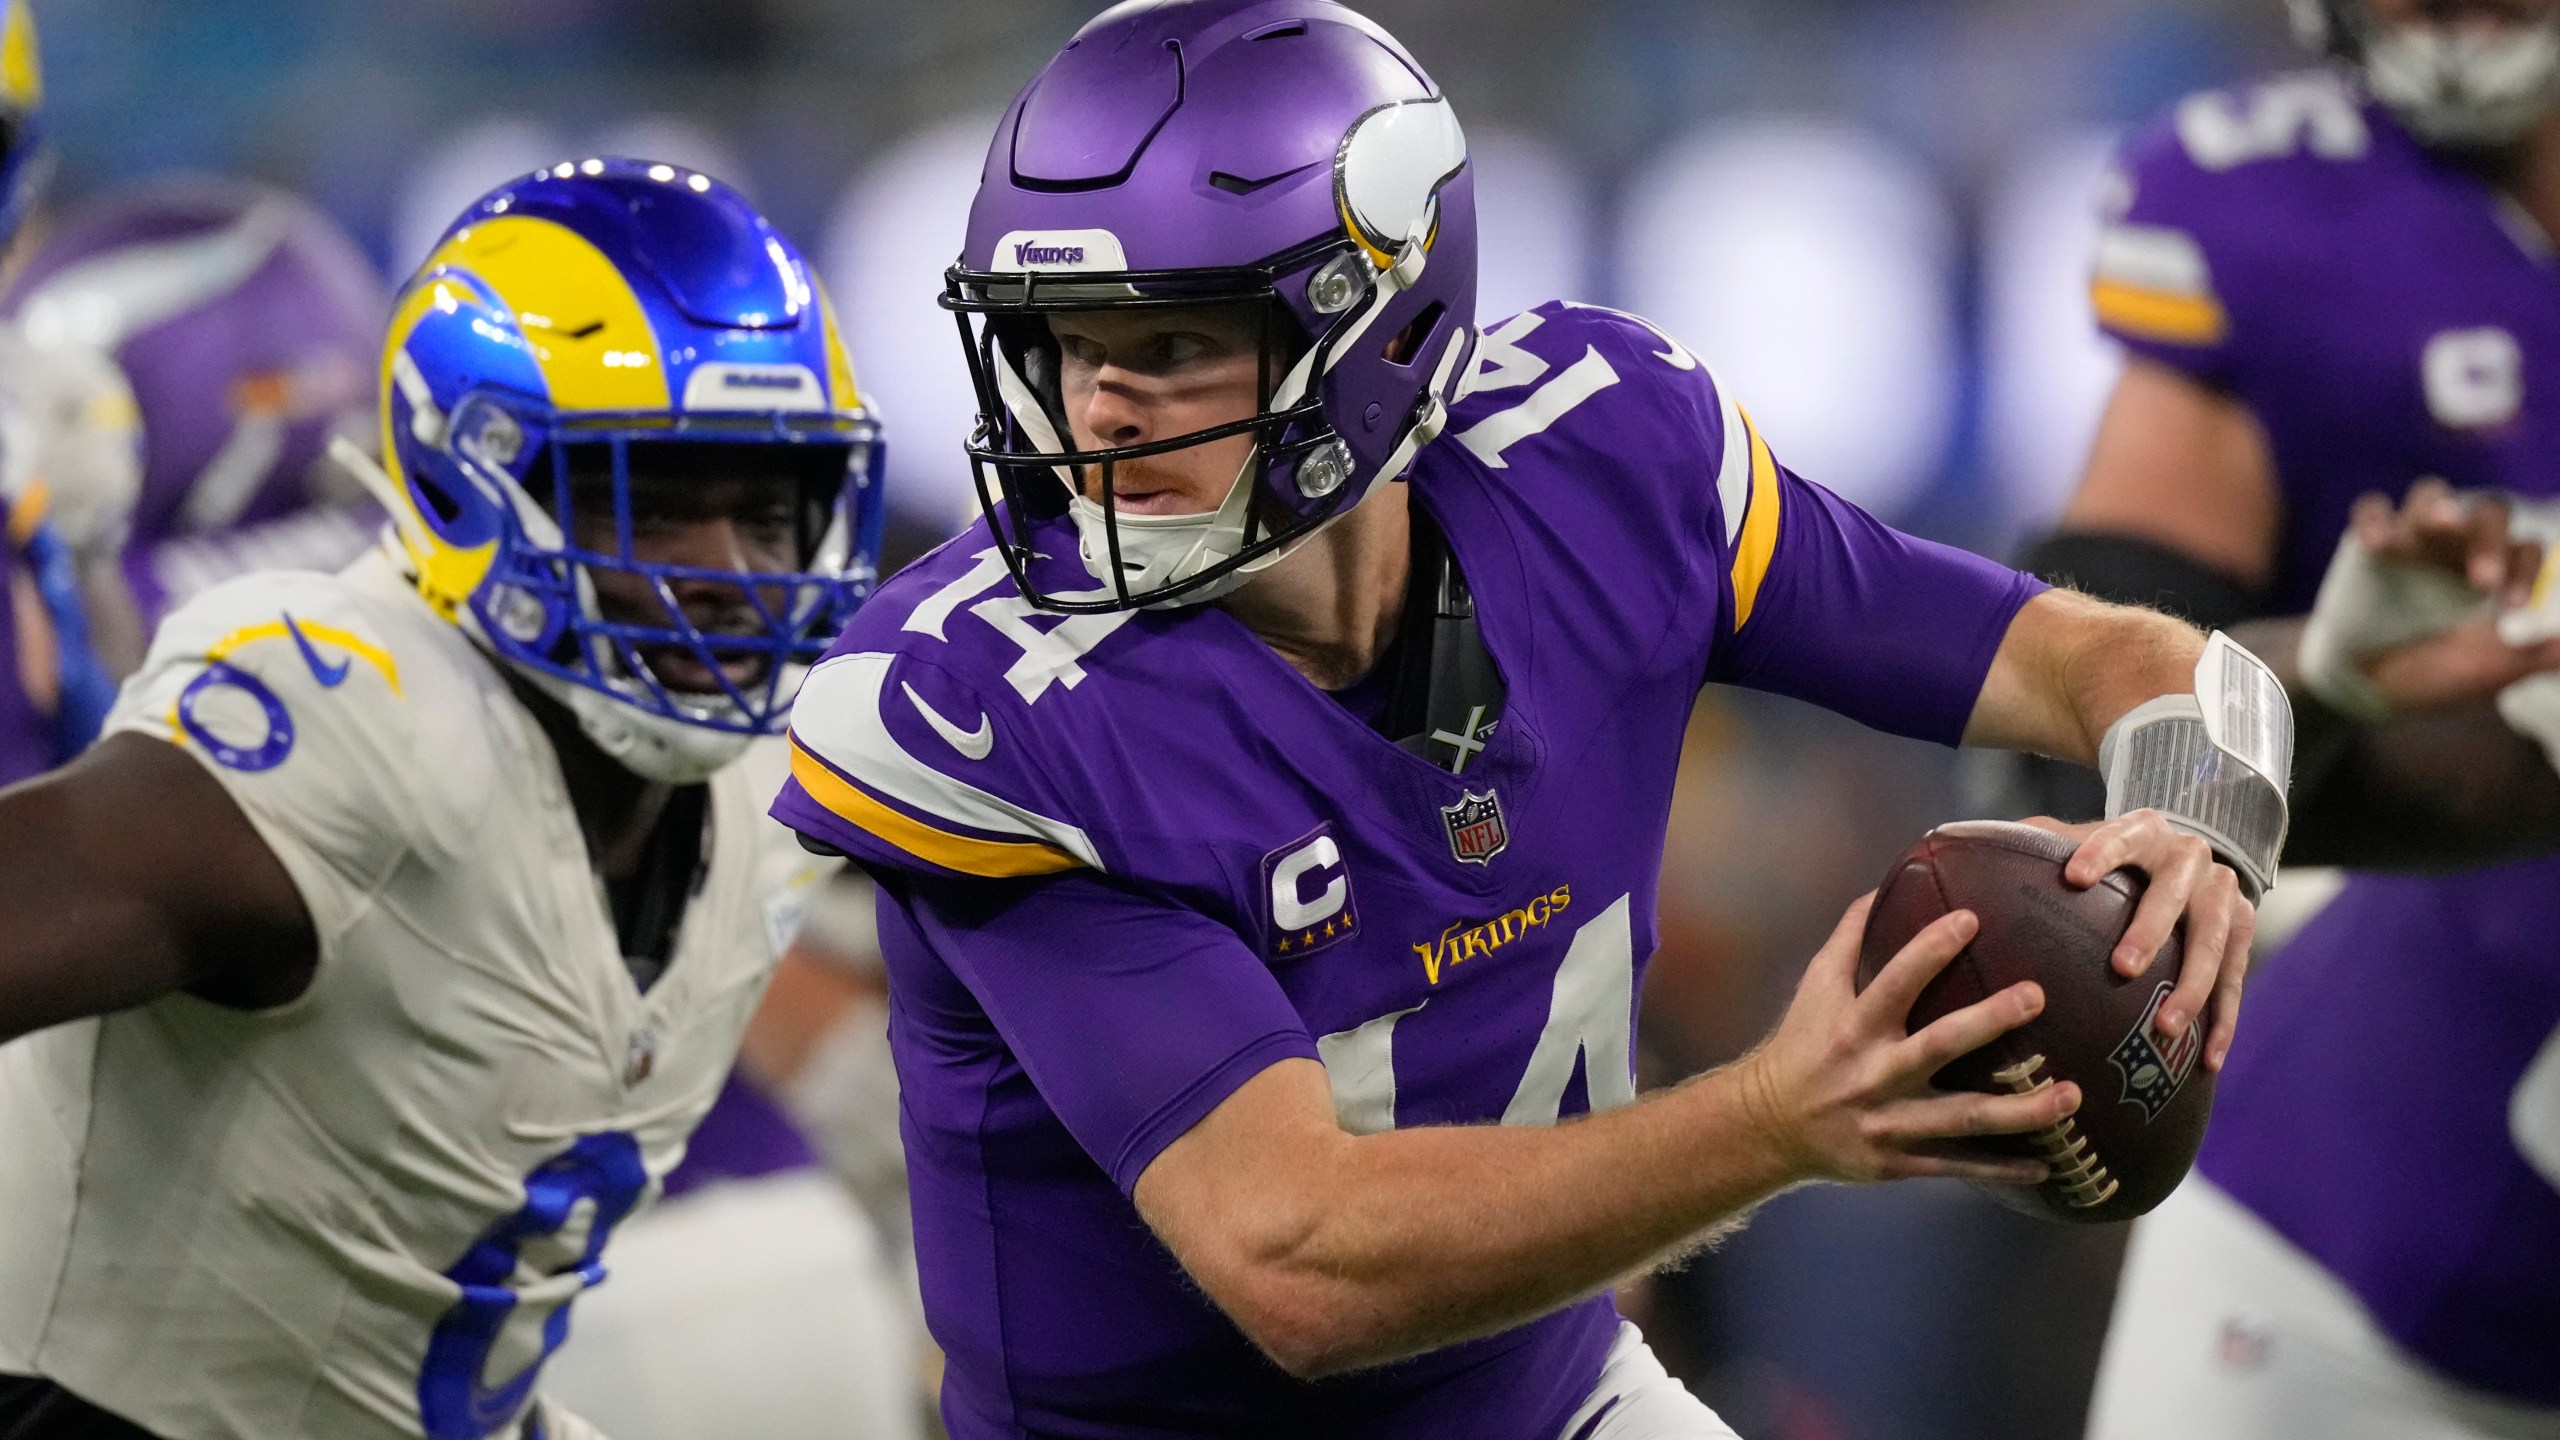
{"points": [[365, 1213]]}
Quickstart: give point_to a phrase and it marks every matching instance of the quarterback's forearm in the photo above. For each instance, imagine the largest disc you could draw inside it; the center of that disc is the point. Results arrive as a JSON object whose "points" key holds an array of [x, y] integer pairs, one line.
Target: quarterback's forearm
{"points": [[2071, 666], [1381, 1246]]}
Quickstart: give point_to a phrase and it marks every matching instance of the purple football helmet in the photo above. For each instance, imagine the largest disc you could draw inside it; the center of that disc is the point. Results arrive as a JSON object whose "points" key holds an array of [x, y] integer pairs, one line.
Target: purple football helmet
{"points": [[1286, 154], [246, 323]]}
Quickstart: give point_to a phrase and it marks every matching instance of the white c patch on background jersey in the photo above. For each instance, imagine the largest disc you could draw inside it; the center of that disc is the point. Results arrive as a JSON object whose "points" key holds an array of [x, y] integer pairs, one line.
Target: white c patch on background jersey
{"points": [[353, 1216]]}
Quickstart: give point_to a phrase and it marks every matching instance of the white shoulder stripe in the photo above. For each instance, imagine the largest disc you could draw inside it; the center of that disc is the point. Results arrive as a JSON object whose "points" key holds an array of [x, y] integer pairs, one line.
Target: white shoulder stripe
{"points": [[838, 719], [2153, 257], [1733, 476]]}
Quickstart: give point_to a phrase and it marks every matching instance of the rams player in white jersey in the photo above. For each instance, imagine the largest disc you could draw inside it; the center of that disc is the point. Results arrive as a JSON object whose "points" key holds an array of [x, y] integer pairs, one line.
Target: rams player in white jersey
{"points": [[383, 955]]}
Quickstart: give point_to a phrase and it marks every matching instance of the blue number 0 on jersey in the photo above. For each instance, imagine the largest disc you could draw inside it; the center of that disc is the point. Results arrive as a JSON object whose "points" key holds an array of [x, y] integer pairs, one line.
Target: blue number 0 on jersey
{"points": [[604, 1170]]}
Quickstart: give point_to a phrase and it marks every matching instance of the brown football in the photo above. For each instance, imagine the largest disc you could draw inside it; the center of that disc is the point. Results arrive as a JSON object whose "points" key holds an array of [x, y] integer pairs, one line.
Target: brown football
{"points": [[2143, 1101]]}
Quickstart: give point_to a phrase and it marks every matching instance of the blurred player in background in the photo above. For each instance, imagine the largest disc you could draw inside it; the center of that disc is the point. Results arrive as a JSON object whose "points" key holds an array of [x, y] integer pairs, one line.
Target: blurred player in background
{"points": [[237, 325], [1200, 1116], [55, 683], [388, 948], [2333, 285]]}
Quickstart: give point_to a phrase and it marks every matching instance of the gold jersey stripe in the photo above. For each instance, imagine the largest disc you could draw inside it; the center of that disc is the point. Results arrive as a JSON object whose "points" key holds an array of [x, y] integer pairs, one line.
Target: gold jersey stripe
{"points": [[28, 511], [347, 640], [2163, 315], [991, 858], [1759, 540], [21, 72]]}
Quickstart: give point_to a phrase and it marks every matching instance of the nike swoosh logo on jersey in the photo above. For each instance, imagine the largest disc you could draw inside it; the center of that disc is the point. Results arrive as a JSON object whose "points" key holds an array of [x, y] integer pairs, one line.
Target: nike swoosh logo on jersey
{"points": [[976, 744], [329, 676]]}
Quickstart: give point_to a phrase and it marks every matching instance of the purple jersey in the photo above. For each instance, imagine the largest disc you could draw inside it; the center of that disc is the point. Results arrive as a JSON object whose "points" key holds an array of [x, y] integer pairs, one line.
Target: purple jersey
{"points": [[2386, 317], [743, 1136], [1129, 861]]}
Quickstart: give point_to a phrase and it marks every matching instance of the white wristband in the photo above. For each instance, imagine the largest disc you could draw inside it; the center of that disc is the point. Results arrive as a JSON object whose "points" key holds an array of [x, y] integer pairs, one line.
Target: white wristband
{"points": [[2215, 763]]}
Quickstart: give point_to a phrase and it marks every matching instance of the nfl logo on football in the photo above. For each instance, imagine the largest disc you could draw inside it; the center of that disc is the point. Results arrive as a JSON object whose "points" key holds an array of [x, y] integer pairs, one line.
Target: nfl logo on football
{"points": [[1476, 831], [2152, 1071]]}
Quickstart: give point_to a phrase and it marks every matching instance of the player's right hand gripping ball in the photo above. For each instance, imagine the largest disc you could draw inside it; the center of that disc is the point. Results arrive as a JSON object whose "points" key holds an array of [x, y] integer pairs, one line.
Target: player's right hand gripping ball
{"points": [[2144, 1098]]}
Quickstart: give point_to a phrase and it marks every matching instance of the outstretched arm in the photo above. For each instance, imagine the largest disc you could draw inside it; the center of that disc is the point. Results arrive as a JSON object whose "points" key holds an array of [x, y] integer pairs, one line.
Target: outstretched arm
{"points": [[129, 874], [1336, 1251]]}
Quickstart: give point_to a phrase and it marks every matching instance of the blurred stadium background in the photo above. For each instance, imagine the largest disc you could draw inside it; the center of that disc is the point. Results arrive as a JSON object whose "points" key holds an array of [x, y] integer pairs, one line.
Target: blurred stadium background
{"points": [[1870, 216]]}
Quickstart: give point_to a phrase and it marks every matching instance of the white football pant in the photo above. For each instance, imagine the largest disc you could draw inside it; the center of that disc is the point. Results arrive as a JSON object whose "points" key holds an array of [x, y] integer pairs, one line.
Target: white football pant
{"points": [[2224, 1331], [1636, 1399], [751, 1308]]}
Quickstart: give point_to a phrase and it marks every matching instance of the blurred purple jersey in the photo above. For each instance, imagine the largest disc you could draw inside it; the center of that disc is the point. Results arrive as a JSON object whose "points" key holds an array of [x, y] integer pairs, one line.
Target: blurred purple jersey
{"points": [[2386, 316], [247, 324], [1129, 861]]}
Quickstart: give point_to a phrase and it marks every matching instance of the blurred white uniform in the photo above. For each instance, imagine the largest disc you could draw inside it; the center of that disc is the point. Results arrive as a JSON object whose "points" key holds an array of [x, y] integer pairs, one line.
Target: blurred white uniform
{"points": [[2224, 1331], [223, 1225], [761, 1308]]}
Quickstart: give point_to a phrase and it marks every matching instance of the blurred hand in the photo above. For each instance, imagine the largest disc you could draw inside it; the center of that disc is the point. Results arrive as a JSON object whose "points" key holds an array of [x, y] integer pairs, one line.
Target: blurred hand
{"points": [[2187, 886], [1844, 1089], [2414, 607], [2469, 536]]}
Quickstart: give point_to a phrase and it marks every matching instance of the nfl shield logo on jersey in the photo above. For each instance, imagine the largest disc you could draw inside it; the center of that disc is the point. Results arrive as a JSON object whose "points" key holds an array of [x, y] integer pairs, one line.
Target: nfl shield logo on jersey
{"points": [[2152, 1073], [1476, 831]]}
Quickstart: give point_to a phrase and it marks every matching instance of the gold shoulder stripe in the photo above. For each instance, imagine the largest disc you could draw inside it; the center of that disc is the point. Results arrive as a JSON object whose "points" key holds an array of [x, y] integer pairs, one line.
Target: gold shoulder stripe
{"points": [[1759, 542], [28, 511], [347, 640], [2165, 316], [994, 859], [21, 72]]}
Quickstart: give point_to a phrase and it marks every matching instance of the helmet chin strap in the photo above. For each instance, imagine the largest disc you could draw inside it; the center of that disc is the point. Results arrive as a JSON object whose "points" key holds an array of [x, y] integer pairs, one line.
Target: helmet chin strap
{"points": [[1159, 550], [653, 747]]}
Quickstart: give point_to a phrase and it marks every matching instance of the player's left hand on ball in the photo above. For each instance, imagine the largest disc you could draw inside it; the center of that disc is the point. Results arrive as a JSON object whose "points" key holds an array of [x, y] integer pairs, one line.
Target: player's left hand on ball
{"points": [[1842, 1087], [2187, 886]]}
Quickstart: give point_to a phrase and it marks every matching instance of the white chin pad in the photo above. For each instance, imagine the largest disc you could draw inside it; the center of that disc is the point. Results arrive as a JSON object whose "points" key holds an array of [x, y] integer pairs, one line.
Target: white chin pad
{"points": [[2463, 85]]}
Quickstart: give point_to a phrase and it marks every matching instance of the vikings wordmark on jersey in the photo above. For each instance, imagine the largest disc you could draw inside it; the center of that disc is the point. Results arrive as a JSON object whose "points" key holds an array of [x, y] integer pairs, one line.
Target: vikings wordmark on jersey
{"points": [[2386, 316], [472, 1032], [1130, 860]]}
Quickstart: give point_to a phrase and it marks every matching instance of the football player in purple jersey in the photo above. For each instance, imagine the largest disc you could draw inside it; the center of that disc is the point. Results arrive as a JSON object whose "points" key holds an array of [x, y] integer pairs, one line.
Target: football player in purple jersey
{"points": [[2343, 382], [1268, 848]]}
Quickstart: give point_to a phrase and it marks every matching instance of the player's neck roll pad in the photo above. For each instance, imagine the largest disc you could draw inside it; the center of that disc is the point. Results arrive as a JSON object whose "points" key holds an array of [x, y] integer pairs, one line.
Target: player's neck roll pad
{"points": [[2215, 763]]}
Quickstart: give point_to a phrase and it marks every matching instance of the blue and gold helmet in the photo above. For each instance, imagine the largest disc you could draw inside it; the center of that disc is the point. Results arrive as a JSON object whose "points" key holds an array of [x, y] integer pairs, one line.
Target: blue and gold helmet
{"points": [[24, 159], [573, 320]]}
